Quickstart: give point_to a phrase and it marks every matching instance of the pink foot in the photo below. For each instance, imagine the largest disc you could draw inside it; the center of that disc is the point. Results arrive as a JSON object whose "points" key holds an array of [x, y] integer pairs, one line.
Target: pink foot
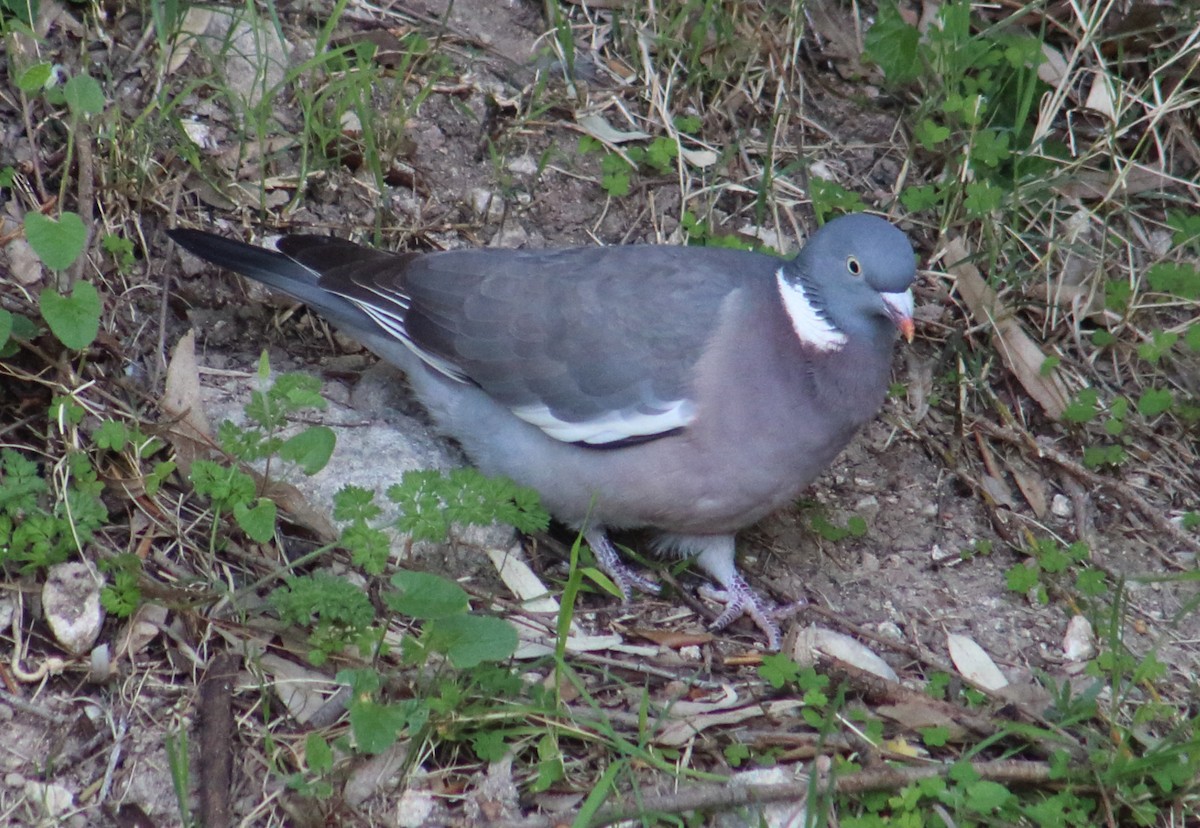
{"points": [[740, 599]]}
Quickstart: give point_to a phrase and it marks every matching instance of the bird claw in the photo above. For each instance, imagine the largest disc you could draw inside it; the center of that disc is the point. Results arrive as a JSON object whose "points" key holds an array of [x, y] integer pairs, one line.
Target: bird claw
{"points": [[740, 599], [625, 578]]}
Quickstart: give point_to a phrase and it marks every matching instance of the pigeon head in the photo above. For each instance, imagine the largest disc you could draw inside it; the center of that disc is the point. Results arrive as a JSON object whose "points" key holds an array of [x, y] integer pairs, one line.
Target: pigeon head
{"points": [[854, 272]]}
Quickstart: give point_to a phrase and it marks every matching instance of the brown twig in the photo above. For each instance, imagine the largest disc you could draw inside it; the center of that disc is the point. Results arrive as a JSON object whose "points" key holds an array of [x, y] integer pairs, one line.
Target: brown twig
{"points": [[726, 796], [1039, 448], [216, 740]]}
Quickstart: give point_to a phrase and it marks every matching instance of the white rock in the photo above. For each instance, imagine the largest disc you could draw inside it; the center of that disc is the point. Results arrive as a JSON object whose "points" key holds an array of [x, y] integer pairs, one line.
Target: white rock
{"points": [[1079, 643], [54, 799], [71, 604], [414, 808], [524, 165], [1060, 506]]}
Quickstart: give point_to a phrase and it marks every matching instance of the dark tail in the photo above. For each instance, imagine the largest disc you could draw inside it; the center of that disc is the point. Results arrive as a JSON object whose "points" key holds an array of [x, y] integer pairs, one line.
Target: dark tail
{"points": [[277, 271]]}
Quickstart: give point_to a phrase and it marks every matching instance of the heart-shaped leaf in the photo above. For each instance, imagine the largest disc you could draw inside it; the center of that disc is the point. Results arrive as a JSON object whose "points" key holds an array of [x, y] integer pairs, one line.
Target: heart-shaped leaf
{"points": [[74, 319], [310, 449], [57, 243], [84, 95], [257, 521], [425, 595]]}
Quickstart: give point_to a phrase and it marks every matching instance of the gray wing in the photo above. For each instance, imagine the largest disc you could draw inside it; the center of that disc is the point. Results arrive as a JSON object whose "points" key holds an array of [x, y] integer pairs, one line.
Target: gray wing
{"points": [[591, 345]]}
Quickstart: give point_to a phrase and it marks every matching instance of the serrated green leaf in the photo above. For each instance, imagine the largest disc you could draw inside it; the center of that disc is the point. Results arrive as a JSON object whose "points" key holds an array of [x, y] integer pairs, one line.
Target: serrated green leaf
{"points": [[376, 726], [893, 45], [985, 796], [112, 435], [1175, 278], [1186, 227], [6, 326], [1096, 456], [74, 319], [57, 243], [1083, 407], [1021, 578], [1192, 337], [919, 198], [930, 134], [489, 745], [982, 198], [426, 596], [1091, 582], [317, 754], [1154, 401], [935, 736], [990, 147], [354, 503], [310, 449], [1160, 343]]}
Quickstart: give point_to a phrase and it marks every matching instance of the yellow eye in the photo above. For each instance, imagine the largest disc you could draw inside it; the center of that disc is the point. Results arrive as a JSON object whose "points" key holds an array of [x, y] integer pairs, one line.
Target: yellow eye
{"points": [[853, 266]]}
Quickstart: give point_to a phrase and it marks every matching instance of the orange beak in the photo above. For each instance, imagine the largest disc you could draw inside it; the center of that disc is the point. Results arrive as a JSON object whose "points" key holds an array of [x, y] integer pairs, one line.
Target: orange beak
{"points": [[900, 309]]}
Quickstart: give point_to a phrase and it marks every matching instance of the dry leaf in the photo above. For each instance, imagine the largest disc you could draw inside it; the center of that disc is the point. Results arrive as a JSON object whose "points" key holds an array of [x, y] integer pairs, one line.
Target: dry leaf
{"points": [[379, 773], [302, 690], [141, 628], [843, 648], [1102, 98], [299, 511], [679, 733], [699, 158], [997, 490], [1130, 180], [973, 663], [523, 581], [1053, 69], [916, 715], [190, 434], [605, 133], [194, 24], [672, 639], [1017, 349], [1032, 487]]}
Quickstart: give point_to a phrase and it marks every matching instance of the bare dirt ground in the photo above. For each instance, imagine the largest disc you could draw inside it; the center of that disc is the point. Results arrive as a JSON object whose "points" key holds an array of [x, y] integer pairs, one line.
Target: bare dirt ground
{"points": [[935, 487]]}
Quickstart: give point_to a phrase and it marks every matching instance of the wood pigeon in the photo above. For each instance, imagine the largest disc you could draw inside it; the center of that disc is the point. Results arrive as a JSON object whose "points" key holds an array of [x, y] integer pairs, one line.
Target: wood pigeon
{"points": [[689, 390]]}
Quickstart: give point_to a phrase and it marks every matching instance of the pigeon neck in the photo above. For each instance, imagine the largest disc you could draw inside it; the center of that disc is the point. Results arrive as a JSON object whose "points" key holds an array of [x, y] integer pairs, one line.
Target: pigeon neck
{"points": [[806, 311]]}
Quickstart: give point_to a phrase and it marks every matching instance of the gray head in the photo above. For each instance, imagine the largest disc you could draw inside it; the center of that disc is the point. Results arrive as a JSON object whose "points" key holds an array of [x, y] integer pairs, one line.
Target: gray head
{"points": [[855, 272]]}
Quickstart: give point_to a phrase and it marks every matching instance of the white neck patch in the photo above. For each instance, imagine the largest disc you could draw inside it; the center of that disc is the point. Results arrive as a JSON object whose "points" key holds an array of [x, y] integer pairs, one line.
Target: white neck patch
{"points": [[811, 328]]}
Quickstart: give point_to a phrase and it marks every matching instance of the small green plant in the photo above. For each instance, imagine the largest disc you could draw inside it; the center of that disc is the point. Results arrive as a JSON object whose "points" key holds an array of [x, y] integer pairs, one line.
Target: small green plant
{"points": [[1050, 560], [271, 406], [460, 646], [701, 234], [59, 242], [41, 527], [980, 87], [617, 169], [830, 199], [856, 526]]}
